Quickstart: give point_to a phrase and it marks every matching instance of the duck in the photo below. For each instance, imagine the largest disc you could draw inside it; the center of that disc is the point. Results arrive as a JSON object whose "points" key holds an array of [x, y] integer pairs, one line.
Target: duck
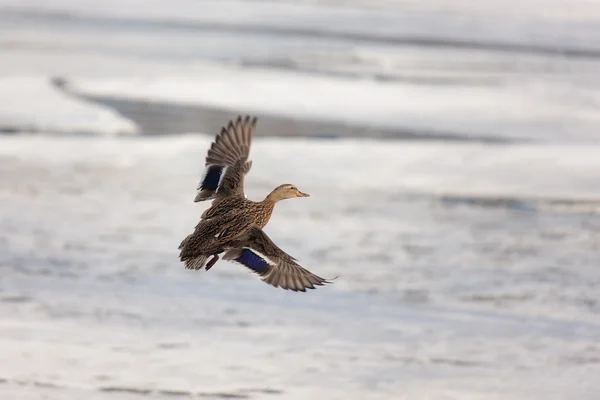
{"points": [[233, 224]]}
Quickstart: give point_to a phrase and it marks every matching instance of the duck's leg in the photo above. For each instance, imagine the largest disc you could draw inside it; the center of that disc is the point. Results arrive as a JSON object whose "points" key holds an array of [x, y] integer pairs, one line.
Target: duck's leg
{"points": [[212, 261]]}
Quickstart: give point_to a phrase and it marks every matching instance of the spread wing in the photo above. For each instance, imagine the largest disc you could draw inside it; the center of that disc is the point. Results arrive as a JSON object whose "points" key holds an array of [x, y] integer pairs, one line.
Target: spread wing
{"points": [[277, 268], [227, 161]]}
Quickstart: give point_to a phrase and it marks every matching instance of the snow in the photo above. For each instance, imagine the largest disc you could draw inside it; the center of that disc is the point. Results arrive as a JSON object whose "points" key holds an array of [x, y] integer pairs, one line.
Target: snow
{"points": [[524, 171], [33, 104], [435, 299], [509, 111], [323, 62], [519, 22], [467, 270]]}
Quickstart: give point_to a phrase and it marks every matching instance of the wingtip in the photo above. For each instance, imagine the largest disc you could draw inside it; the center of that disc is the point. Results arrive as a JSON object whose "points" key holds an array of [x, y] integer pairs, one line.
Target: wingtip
{"points": [[326, 281], [247, 119], [312, 286]]}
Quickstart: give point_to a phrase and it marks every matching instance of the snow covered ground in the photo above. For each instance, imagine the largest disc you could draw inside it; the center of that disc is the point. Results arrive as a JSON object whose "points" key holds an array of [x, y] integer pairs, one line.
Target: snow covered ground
{"points": [[467, 269], [427, 66], [449, 287], [33, 104], [512, 110]]}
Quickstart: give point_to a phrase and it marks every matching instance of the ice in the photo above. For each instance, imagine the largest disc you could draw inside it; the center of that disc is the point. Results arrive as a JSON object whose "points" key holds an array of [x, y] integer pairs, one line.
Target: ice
{"points": [[438, 296], [509, 112], [467, 269], [32, 104], [518, 22], [522, 171], [430, 67]]}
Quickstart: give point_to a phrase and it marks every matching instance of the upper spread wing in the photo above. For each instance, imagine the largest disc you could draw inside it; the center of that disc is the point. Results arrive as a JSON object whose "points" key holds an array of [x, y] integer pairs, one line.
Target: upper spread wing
{"points": [[277, 268], [227, 161]]}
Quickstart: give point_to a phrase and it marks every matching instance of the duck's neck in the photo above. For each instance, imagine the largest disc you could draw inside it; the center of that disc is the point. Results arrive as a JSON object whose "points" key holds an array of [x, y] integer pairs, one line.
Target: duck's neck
{"points": [[268, 204], [272, 197]]}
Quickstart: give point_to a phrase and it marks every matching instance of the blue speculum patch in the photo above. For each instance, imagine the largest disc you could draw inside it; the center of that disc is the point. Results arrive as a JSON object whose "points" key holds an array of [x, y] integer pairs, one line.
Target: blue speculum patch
{"points": [[252, 261], [211, 180]]}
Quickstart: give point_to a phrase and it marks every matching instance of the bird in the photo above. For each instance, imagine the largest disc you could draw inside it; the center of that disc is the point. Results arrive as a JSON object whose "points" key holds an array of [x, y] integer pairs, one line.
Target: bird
{"points": [[233, 224]]}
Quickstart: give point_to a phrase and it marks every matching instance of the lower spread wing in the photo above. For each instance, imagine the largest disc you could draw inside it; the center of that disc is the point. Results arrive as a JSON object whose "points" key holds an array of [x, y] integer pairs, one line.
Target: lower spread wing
{"points": [[277, 268], [227, 161]]}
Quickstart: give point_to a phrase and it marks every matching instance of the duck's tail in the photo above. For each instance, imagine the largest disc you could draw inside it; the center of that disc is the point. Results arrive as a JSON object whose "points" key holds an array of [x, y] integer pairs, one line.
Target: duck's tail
{"points": [[195, 263], [192, 261]]}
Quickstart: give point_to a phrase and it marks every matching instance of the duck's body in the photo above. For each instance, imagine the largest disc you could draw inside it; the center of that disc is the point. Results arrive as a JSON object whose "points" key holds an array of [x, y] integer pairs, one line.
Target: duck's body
{"points": [[233, 224], [228, 219], [260, 210]]}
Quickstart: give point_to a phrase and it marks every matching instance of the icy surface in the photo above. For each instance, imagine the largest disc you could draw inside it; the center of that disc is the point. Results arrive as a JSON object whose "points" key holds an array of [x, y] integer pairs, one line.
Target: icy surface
{"points": [[510, 112], [34, 104], [512, 21], [460, 276], [491, 70], [466, 270]]}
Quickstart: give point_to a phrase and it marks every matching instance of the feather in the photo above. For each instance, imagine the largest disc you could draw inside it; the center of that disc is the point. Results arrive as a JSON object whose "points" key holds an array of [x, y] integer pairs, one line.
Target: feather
{"points": [[212, 177], [196, 263], [233, 224], [253, 261], [229, 152], [277, 268]]}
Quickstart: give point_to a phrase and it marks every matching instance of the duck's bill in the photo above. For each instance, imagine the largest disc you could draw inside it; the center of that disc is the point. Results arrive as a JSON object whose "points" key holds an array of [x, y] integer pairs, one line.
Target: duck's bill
{"points": [[300, 194]]}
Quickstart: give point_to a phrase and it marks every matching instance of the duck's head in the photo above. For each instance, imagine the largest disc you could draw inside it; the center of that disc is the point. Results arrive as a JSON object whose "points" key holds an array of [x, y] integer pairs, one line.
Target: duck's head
{"points": [[286, 191]]}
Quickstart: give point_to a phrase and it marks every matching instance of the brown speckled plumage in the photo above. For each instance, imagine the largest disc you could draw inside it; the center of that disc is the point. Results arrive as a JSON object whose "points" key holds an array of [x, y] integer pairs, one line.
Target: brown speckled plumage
{"points": [[230, 149], [233, 224], [261, 211]]}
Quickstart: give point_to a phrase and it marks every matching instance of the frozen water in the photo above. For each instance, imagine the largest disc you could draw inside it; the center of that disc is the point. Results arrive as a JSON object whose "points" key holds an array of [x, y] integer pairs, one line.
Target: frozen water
{"points": [[468, 270], [35, 105], [447, 282]]}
